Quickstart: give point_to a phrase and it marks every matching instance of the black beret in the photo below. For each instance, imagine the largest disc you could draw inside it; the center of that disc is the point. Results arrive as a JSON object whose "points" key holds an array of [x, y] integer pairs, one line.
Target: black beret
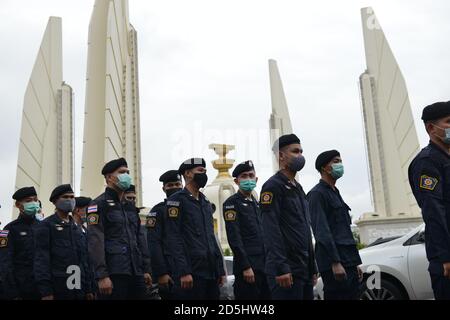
{"points": [[285, 140], [23, 193], [325, 157], [81, 202], [436, 111], [60, 190], [132, 188], [191, 164], [243, 167], [170, 176], [113, 165]]}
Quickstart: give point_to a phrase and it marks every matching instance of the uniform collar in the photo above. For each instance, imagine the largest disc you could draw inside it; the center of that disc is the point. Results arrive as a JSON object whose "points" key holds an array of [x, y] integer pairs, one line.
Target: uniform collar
{"points": [[286, 180], [243, 197], [190, 196], [112, 193], [25, 219], [61, 221], [436, 147], [326, 185]]}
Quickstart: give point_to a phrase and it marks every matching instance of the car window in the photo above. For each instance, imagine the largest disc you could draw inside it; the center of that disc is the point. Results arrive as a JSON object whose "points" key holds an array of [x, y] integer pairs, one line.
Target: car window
{"points": [[418, 238], [229, 266]]}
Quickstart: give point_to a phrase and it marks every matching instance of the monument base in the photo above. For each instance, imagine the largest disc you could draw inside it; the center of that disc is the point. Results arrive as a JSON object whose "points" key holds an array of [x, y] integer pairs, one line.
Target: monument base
{"points": [[373, 228]]}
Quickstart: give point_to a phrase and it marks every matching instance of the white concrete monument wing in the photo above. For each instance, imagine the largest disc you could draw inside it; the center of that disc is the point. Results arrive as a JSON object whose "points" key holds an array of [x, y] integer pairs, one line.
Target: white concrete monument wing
{"points": [[112, 117], [45, 157], [280, 121]]}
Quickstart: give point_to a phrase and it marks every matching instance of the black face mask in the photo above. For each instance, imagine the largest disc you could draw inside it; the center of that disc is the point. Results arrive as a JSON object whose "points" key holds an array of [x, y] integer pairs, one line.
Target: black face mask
{"points": [[170, 192], [200, 179]]}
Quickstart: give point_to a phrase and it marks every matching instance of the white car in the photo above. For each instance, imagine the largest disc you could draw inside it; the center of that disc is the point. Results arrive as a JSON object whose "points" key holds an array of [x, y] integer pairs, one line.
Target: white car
{"points": [[403, 265]]}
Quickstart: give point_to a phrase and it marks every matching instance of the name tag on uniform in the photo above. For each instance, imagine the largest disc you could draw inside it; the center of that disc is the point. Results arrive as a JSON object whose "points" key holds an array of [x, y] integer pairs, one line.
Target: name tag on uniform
{"points": [[23, 233]]}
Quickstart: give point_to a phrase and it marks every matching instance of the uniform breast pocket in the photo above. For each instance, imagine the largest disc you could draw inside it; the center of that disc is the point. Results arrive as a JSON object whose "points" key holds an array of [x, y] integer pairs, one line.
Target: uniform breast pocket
{"points": [[115, 217], [60, 247], [340, 212]]}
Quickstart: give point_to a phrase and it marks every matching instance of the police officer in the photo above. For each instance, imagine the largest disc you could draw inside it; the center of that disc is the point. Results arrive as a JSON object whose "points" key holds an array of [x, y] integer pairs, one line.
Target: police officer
{"points": [[243, 223], [117, 245], [17, 248], [198, 263], [80, 220], [429, 177], [156, 237], [290, 262], [337, 256], [59, 251], [130, 195]]}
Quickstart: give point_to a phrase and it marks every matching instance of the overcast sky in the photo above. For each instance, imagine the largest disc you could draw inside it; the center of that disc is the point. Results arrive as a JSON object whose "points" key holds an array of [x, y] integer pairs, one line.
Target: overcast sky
{"points": [[204, 78]]}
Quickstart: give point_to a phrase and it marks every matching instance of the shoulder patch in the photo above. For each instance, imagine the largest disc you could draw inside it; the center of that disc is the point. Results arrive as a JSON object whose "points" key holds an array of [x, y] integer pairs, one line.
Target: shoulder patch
{"points": [[92, 219], [3, 242], [428, 183], [266, 197], [92, 209], [173, 203], [173, 212], [4, 233], [151, 222], [230, 215]]}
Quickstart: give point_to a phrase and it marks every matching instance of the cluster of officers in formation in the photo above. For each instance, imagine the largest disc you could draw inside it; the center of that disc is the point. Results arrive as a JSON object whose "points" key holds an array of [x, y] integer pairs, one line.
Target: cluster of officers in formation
{"points": [[275, 256]]}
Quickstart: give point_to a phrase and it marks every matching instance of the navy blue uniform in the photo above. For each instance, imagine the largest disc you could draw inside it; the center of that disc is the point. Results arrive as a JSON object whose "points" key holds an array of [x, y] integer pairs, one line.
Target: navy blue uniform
{"points": [[17, 256], [429, 177], [117, 245], [59, 246], [244, 228], [193, 245], [157, 244], [334, 241], [91, 285], [287, 237]]}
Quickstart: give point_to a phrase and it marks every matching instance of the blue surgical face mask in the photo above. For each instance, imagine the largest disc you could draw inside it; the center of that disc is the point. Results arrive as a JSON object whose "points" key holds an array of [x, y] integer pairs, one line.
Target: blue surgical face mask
{"points": [[247, 185], [31, 208], [65, 205], [124, 181], [446, 139], [337, 170], [297, 163]]}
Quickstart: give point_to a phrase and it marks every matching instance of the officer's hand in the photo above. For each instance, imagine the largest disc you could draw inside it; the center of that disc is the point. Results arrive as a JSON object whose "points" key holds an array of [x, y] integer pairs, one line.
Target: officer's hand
{"points": [[148, 279], [164, 280], [221, 281], [90, 296], [339, 271], [314, 279], [50, 297], [249, 276], [285, 280], [447, 270], [360, 274], [105, 286], [187, 282]]}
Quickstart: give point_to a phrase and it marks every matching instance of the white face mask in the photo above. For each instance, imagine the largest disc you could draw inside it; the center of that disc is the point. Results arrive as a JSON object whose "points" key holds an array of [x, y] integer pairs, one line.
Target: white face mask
{"points": [[446, 139]]}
